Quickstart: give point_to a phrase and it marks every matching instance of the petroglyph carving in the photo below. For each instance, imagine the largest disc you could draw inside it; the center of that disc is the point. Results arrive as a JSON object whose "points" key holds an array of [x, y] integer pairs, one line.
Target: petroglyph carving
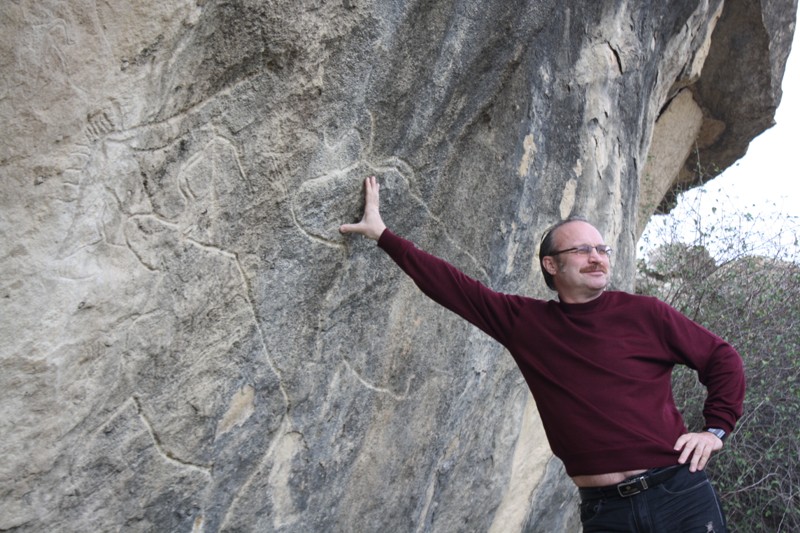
{"points": [[102, 122]]}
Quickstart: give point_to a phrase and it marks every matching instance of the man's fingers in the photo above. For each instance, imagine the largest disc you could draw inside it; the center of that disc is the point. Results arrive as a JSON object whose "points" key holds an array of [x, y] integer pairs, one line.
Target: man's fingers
{"points": [[372, 191], [697, 449], [700, 458], [358, 227], [371, 225], [688, 447], [685, 454], [681, 441], [702, 461]]}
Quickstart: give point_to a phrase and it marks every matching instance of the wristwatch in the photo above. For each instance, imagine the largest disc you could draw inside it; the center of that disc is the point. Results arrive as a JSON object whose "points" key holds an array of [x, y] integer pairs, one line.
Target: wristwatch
{"points": [[720, 433]]}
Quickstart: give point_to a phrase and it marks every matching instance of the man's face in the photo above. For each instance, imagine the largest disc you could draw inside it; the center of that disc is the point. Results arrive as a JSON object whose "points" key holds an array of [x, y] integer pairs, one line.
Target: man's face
{"points": [[578, 277]]}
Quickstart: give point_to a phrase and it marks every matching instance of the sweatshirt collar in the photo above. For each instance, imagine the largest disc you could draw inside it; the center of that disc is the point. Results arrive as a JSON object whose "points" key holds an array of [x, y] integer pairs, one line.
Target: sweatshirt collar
{"points": [[588, 307]]}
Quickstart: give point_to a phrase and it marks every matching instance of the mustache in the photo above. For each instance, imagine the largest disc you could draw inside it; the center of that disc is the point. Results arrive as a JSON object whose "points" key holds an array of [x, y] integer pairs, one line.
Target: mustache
{"points": [[594, 268]]}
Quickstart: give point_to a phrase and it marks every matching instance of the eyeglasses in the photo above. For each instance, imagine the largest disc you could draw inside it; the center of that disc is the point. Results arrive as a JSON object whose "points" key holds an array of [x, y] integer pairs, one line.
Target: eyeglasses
{"points": [[586, 249]]}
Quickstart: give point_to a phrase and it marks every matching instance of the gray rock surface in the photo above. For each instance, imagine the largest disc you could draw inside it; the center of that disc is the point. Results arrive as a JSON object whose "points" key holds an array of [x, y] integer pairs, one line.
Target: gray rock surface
{"points": [[188, 344]]}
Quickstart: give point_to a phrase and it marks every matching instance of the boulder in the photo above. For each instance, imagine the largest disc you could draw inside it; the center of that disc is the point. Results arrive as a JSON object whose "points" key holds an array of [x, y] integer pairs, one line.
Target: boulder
{"points": [[188, 344]]}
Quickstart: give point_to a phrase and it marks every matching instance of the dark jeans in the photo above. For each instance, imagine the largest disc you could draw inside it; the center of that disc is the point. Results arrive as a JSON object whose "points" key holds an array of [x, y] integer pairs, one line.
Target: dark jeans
{"points": [[685, 503]]}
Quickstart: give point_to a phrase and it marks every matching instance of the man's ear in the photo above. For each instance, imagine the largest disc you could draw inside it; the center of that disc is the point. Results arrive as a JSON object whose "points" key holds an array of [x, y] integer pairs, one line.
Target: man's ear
{"points": [[550, 265]]}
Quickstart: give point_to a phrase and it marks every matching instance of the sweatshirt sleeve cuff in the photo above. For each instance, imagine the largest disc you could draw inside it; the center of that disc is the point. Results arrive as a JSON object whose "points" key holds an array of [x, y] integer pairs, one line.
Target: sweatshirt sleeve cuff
{"points": [[390, 243], [719, 423]]}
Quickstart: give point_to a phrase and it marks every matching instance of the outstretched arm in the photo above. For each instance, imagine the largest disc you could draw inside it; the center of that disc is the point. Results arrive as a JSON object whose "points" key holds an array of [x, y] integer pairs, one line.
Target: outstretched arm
{"points": [[493, 312], [371, 225]]}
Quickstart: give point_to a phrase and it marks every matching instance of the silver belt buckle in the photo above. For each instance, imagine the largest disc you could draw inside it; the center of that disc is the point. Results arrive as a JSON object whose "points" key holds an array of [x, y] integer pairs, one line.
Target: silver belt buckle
{"points": [[632, 487]]}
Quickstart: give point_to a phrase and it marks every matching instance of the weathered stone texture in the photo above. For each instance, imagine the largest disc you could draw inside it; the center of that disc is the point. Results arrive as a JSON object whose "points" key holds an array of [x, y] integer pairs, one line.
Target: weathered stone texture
{"points": [[188, 344]]}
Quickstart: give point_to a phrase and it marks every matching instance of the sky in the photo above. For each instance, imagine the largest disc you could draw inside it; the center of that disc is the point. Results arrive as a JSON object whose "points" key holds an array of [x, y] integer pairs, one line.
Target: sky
{"points": [[764, 184]]}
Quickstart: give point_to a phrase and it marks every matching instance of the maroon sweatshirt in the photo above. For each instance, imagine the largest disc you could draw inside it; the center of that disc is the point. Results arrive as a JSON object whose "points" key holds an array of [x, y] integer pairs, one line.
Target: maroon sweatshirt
{"points": [[600, 372]]}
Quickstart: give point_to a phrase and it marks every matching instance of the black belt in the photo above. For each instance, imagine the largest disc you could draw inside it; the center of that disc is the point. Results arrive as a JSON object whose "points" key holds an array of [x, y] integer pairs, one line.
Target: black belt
{"points": [[633, 485]]}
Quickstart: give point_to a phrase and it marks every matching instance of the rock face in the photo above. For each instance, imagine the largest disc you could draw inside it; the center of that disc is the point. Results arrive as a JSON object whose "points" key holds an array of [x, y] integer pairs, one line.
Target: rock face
{"points": [[188, 344]]}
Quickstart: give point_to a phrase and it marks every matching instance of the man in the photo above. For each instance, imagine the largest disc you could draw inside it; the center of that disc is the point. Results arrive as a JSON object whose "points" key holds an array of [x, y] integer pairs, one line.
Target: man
{"points": [[599, 365]]}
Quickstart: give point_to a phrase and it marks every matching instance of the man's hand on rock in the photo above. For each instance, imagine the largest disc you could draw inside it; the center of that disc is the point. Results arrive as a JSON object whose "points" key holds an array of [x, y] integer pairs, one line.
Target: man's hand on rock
{"points": [[371, 225]]}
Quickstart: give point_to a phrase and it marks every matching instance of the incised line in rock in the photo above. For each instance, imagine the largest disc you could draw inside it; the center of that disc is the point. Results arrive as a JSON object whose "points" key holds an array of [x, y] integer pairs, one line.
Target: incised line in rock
{"points": [[169, 456], [251, 305], [380, 390]]}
